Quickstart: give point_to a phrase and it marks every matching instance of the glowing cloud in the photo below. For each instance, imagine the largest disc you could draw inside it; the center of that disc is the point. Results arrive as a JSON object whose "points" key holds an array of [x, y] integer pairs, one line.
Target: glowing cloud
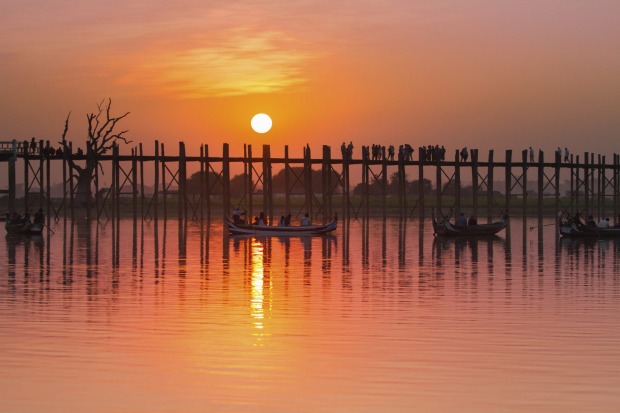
{"points": [[240, 64]]}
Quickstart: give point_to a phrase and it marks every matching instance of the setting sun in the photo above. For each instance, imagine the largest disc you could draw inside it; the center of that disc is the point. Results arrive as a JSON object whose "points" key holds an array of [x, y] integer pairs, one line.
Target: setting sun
{"points": [[261, 123]]}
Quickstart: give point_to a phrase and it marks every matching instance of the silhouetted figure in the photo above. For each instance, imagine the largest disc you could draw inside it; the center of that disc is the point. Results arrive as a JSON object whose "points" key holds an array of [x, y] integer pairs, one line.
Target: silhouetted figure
{"points": [[461, 221], [464, 154], [287, 221], [39, 217], [472, 221], [282, 221], [590, 222], [305, 220], [261, 219]]}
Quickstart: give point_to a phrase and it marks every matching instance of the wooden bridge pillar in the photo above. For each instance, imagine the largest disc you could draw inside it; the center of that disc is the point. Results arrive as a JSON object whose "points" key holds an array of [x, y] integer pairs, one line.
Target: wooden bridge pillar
{"points": [[326, 183], [524, 182], [421, 184], [541, 182], [474, 180], [156, 185], [490, 187], [287, 182], [267, 188], [457, 183], [226, 179], [508, 179], [586, 183]]}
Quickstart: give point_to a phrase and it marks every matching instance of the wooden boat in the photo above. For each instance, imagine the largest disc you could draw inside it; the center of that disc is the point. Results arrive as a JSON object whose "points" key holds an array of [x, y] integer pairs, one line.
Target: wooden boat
{"points": [[23, 228], [574, 228], [248, 229], [445, 228]]}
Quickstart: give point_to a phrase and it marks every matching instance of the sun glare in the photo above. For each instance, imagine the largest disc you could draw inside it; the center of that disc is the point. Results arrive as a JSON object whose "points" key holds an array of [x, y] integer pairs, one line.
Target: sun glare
{"points": [[261, 123]]}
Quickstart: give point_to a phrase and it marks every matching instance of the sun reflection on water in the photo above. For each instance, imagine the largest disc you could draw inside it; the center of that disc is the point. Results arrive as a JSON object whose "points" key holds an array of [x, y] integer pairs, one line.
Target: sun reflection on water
{"points": [[257, 300]]}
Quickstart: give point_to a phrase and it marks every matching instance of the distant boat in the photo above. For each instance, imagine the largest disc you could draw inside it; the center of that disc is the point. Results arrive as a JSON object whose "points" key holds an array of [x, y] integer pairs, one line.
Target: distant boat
{"points": [[23, 228], [249, 229], [574, 228], [445, 228]]}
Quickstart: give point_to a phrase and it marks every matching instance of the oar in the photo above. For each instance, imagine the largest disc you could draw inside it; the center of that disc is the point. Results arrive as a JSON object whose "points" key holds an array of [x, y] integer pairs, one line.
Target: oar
{"points": [[545, 225]]}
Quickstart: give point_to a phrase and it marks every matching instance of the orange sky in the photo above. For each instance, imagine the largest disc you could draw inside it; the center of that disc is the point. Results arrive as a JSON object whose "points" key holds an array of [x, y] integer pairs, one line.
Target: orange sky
{"points": [[484, 74]]}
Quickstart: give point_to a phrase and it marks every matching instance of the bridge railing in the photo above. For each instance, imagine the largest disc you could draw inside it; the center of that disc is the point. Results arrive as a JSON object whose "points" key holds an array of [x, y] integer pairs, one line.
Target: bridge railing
{"points": [[16, 148]]}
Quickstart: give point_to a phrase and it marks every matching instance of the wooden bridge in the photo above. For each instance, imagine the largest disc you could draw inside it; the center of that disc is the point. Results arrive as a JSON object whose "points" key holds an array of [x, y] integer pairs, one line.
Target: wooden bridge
{"points": [[594, 186]]}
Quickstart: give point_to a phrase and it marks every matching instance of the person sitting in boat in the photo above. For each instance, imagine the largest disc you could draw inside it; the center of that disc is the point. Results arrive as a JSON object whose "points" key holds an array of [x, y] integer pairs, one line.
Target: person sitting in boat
{"points": [[472, 221], [16, 219], [26, 219], [237, 216], [603, 223], [461, 221], [261, 219], [287, 221], [305, 220], [39, 217], [282, 221], [590, 222]]}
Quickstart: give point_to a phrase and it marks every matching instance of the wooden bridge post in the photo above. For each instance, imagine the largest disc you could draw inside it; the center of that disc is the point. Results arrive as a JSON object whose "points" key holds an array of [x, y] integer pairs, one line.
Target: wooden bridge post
{"points": [[226, 180], [308, 179], [602, 184], [164, 189], [385, 181], [326, 183], [12, 176], [267, 190], [592, 183], [524, 179], [141, 182], [508, 179], [346, 202], [490, 187], [365, 181], [578, 182], [586, 183], [48, 185], [26, 175], [202, 181], [115, 181], [421, 184], [250, 194], [41, 177], [156, 185], [287, 182], [541, 182], [182, 206], [558, 169], [474, 180], [207, 182], [402, 191], [134, 183], [457, 183], [439, 190], [615, 181]]}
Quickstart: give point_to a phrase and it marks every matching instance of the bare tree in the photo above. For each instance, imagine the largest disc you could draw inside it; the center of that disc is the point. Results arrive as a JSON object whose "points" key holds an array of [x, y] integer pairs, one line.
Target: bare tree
{"points": [[101, 138]]}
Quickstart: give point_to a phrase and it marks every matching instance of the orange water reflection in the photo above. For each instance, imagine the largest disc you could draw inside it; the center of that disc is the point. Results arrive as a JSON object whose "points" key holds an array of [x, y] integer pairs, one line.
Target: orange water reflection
{"points": [[378, 317]]}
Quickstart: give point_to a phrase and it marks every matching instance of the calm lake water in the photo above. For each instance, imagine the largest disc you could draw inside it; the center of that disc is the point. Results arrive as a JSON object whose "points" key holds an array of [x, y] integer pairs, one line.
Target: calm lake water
{"points": [[380, 317]]}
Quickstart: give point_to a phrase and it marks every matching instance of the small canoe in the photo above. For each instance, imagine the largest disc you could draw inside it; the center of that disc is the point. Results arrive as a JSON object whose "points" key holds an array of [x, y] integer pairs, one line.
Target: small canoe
{"points": [[247, 229], [445, 228], [574, 228], [23, 229]]}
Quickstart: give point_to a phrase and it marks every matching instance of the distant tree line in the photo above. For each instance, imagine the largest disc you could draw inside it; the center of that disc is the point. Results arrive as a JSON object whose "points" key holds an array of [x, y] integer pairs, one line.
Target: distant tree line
{"points": [[278, 182]]}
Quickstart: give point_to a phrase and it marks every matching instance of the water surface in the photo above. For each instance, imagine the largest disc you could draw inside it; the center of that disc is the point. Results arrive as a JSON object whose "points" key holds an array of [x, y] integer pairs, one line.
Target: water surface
{"points": [[379, 317]]}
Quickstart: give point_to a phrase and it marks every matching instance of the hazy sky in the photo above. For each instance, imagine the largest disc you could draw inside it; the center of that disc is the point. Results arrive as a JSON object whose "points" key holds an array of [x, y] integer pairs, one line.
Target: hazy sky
{"points": [[487, 74]]}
